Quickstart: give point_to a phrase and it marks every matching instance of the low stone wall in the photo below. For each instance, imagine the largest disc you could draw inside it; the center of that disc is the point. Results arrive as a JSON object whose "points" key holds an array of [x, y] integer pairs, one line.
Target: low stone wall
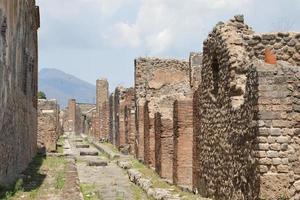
{"points": [[48, 124]]}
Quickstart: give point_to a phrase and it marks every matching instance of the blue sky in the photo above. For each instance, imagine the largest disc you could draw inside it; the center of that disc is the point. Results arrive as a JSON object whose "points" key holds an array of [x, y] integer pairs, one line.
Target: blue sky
{"points": [[100, 38]]}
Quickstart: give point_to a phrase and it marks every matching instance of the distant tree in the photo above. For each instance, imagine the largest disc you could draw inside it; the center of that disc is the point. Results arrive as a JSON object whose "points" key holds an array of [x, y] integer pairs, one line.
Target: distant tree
{"points": [[41, 95]]}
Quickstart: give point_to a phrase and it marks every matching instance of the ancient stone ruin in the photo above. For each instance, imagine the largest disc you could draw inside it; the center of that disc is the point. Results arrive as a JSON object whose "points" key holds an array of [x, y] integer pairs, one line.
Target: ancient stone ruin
{"points": [[19, 22], [224, 124], [49, 128]]}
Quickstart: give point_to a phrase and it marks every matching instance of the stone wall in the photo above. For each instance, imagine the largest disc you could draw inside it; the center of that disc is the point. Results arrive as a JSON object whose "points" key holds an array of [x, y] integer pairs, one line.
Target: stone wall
{"points": [[19, 22], [48, 124], [158, 82], [245, 120], [102, 105], [278, 139]]}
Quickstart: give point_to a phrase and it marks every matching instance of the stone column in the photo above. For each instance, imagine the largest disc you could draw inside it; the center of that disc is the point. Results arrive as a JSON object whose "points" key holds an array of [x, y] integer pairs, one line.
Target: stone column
{"points": [[72, 115], [183, 143], [102, 106], [164, 146]]}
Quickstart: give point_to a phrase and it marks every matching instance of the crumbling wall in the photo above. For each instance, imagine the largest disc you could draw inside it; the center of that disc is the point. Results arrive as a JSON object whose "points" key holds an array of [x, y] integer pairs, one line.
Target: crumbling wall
{"points": [[245, 116], [48, 125], [227, 99], [19, 22], [195, 62], [286, 46], [159, 82]]}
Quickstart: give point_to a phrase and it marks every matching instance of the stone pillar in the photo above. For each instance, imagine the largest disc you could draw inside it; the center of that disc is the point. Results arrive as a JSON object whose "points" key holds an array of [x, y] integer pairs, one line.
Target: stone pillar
{"points": [[164, 146], [102, 106], [149, 136], [112, 119], [72, 115], [183, 143], [195, 62], [140, 131]]}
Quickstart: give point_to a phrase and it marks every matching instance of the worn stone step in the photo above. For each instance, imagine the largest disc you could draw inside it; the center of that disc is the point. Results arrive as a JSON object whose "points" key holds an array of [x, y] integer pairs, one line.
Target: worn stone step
{"points": [[82, 146], [89, 153], [97, 163]]}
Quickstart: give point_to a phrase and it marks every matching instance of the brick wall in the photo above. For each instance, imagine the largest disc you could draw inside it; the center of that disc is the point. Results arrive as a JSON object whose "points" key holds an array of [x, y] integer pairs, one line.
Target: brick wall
{"points": [[183, 143], [102, 105], [19, 22], [164, 146], [112, 119]]}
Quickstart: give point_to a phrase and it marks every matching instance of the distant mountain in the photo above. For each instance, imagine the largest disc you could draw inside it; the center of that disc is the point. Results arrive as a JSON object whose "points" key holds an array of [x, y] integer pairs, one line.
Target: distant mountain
{"points": [[62, 86]]}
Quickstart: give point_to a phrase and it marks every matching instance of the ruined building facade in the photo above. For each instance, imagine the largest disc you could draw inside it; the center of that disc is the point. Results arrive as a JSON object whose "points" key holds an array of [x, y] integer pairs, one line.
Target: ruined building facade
{"points": [[248, 115], [19, 22], [224, 124]]}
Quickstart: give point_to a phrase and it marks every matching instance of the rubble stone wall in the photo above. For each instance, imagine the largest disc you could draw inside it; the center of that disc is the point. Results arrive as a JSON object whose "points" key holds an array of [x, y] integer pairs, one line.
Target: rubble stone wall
{"points": [[246, 123], [19, 22], [48, 124]]}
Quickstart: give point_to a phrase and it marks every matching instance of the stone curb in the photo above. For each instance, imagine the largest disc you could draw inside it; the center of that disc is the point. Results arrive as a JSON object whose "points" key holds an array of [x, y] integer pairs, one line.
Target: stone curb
{"points": [[71, 190]]}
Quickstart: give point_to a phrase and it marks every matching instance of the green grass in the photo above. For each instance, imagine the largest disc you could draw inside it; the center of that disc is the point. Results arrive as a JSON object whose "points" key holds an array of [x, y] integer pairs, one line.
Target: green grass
{"points": [[61, 141], [89, 192], [60, 180], [160, 183], [33, 185]]}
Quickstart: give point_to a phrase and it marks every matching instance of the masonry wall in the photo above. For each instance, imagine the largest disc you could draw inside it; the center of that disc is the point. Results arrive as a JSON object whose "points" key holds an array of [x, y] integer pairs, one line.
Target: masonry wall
{"points": [[158, 82], [48, 124], [19, 22], [102, 105], [245, 119], [183, 143], [278, 148]]}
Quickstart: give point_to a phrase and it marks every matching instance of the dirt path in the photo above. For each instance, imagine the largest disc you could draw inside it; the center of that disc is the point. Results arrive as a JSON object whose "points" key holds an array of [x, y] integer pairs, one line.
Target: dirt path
{"points": [[101, 182]]}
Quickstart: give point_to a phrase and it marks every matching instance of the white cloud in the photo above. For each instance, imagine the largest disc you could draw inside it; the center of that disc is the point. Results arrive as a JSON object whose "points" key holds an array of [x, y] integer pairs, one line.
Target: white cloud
{"points": [[164, 24], [159, 42], [126, 35]]}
